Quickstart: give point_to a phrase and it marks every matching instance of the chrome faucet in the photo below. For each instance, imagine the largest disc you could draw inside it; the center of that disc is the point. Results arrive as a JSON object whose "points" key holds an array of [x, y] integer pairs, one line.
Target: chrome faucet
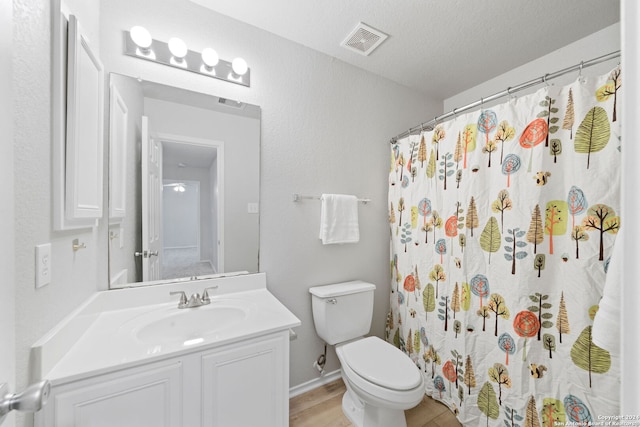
{"points": [[205, 294], [184, 303], [195, 300]]}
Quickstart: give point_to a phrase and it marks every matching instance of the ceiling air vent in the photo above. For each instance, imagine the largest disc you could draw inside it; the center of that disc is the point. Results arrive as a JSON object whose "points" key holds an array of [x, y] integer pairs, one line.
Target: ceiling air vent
{"points": [[364, 39]]}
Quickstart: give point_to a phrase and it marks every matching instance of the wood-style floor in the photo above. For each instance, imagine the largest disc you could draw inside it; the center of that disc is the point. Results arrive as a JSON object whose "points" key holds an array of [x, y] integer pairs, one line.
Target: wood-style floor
{"points": [[322, 407]]}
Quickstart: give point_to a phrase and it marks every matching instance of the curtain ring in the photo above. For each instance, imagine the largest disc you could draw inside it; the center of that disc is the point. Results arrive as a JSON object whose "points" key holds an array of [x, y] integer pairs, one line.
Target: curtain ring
{"points": [[544, 79]]}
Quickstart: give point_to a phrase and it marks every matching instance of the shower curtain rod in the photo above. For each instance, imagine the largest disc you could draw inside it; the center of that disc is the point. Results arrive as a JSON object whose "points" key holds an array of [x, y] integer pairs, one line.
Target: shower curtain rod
{"points": [[509, 91]]}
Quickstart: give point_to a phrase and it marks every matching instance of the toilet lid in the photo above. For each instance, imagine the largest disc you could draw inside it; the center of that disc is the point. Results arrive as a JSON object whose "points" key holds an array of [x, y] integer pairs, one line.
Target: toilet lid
{"points": [[381, 363]]}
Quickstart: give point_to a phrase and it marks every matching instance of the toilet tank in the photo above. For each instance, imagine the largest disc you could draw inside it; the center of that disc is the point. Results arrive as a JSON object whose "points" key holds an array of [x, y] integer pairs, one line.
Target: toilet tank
{"points": [[342, 311]]}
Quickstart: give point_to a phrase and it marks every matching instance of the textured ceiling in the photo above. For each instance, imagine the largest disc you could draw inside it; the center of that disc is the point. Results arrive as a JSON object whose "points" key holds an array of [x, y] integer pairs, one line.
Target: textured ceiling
{"points": [[439, 47]]}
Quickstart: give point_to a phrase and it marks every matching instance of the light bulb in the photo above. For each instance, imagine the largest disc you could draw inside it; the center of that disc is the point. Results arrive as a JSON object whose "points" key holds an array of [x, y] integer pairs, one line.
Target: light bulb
{"points": [[177, 47], [239, 66], [141, 37], [210, 57]]}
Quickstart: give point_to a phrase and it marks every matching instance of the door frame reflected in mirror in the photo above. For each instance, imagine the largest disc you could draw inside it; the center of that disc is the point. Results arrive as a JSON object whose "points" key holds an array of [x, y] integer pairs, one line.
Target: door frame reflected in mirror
{"points": [[190, 156]]}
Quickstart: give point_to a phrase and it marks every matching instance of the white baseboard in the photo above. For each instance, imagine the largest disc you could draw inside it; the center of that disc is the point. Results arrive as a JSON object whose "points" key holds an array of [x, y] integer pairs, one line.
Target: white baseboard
{"points": [[313, 384]]}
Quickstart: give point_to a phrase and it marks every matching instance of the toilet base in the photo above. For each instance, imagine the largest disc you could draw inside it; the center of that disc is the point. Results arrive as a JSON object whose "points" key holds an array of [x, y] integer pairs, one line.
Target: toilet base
{"points": [[354, 411], [362, 415]]}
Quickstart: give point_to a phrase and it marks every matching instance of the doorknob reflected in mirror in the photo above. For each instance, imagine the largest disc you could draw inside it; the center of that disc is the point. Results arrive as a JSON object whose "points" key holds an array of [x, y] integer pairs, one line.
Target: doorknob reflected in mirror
{"points": [[146, 254], [32, 399]]}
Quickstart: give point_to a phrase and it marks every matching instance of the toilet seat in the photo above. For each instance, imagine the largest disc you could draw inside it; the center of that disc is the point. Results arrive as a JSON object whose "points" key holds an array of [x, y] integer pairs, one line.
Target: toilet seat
{"points": [[382, 364]]}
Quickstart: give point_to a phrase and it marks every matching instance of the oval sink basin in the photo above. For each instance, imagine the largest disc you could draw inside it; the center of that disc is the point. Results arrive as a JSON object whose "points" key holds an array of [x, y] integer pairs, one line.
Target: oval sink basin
{"points": [[189, 325]]}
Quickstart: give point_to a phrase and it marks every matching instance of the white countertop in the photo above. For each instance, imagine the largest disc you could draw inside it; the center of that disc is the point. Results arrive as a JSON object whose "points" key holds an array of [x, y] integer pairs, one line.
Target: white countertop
{"points": [[98, 337]]}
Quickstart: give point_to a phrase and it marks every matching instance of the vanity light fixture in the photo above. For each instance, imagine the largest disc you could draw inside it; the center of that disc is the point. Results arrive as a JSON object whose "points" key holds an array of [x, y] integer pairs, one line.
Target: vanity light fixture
{"points": [[210, 59], [178, 51], [141, 37], [239, 66], [139, 43]]}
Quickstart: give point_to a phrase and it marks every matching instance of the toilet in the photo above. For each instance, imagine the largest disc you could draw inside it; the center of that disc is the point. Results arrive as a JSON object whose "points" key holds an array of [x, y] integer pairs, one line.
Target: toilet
{"points": [[382, 382]]}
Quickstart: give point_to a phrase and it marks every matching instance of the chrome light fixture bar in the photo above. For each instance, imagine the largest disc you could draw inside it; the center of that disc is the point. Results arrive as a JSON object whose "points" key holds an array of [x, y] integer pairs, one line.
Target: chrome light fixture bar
{"points": [[175, 54]]}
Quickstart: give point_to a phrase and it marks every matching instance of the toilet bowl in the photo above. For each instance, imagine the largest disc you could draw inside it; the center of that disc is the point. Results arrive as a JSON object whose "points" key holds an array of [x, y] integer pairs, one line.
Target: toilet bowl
{"points": [[382, 382]]}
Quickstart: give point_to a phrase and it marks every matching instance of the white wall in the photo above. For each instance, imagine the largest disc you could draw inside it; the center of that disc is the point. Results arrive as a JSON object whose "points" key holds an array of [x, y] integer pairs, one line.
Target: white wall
{"points": [[325, 129], [7, 268], [630, 205], [75, 275], [181, 212], [597, 44]]}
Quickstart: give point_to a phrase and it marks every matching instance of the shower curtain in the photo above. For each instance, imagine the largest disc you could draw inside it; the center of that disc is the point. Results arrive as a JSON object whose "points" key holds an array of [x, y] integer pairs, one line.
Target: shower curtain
{"points": [[502, 225]]}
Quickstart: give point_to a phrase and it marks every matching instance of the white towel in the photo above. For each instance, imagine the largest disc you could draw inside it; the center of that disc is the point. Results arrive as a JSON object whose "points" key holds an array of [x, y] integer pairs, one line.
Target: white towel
{"points": [[339, 219], [607, 323]]}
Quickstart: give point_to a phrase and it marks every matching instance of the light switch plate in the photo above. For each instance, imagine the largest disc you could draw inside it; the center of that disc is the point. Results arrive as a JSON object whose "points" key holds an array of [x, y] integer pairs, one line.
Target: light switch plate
{"points": [[253, 208], [43, 265]]}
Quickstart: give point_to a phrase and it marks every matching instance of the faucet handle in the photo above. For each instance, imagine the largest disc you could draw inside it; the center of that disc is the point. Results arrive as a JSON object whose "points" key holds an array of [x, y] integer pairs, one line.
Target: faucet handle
{"points": [[205, 294], [183, 298]]}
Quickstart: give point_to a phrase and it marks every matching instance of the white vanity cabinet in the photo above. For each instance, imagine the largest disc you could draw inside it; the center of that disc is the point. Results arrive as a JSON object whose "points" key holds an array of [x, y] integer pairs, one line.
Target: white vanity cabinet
{"points": [[247, 384], [242, 384], [144, 396], [132, 358]]}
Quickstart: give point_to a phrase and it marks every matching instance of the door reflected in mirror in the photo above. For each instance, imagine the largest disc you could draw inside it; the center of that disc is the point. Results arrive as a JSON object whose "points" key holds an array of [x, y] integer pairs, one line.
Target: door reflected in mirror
{"points": [[184, 182]]}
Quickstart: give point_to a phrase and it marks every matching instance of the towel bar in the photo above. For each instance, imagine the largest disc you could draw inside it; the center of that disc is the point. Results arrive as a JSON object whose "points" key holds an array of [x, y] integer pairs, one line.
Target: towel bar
{"points": [[297, 197]]}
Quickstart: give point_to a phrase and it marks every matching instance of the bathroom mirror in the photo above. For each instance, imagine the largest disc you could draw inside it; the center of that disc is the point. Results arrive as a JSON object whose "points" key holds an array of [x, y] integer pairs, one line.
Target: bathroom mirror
{"points": [[184, 170]]}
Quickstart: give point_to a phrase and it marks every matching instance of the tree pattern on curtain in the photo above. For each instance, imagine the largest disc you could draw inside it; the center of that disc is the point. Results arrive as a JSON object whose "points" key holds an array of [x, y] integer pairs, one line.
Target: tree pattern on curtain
{"points": [[502, 224]]}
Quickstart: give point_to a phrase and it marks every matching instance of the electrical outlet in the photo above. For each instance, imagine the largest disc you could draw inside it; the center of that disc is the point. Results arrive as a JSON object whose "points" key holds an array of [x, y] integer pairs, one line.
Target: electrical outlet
{"points": [[43, 265]]}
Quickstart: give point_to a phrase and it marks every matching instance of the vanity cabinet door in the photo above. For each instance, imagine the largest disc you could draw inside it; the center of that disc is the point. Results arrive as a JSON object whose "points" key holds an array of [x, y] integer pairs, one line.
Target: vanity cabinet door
{"points": [[149, 396], [247, 384]]}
